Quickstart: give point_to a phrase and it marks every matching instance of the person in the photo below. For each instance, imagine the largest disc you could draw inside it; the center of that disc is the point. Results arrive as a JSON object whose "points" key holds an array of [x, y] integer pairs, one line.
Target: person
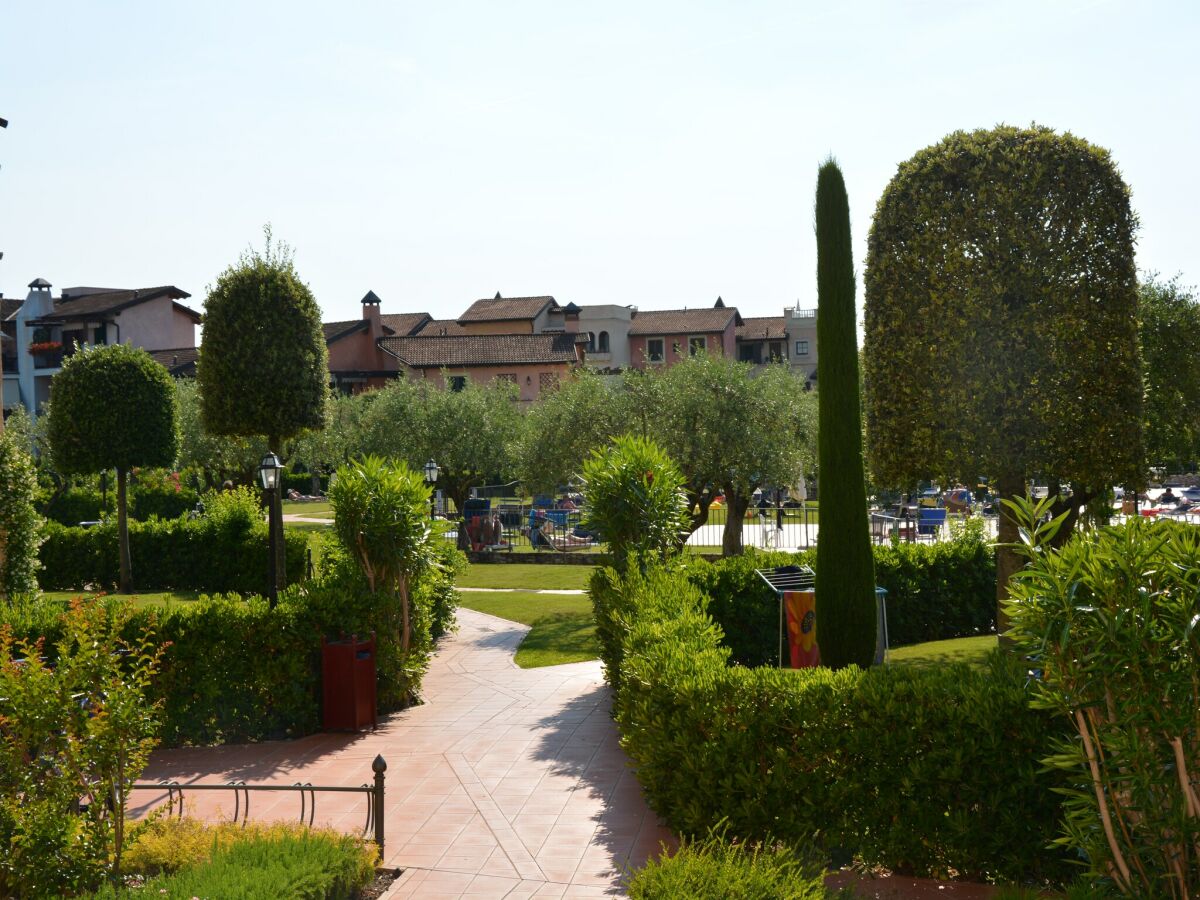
{"points": [[1167, 498]]}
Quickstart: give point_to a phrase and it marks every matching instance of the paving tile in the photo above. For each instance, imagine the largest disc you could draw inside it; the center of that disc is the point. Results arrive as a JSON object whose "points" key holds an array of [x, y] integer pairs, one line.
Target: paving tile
{"points": [[505, 782]]}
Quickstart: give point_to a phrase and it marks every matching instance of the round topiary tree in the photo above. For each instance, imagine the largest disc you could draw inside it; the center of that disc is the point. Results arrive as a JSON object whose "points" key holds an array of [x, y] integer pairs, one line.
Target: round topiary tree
{"points": [[846, 621], [20, 525], [263, 367], [1001, 322], [113, 408]]}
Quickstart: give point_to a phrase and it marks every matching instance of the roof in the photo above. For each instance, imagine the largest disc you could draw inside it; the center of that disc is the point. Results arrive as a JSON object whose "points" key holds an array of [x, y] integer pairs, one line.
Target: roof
{"points": [[762, 328], [482, 349], [9, 307], [106, 301], [434, 327], [179, 361], [683, 321], [334, 331], [403, 324], [506, 309]]}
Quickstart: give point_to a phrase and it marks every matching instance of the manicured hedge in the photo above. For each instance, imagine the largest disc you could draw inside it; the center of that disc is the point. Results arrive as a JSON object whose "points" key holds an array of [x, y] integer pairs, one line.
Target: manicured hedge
{"points": [[172, 554], [935, 591], [924, 771], [237, 670], [87, 504]]}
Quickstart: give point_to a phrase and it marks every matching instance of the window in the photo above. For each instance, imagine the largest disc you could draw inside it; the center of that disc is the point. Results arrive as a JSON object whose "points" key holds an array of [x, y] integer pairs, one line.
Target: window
{"points": [[100, 335], [697, 345], [655, 349], [602, 346], [458, 383], [591, 344], [802, 348], [747, 353], [547, 381], [776, 350], [507, 377]]}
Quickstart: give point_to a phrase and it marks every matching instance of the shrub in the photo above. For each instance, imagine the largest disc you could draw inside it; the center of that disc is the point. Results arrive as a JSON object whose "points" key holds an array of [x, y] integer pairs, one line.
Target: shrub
{"points": [[73, 505], [160, 493], [635, 499], [255, 861], [921, 771], [717, 869], [1111, 619], [20, 525], [74, 736], [220, 552]]}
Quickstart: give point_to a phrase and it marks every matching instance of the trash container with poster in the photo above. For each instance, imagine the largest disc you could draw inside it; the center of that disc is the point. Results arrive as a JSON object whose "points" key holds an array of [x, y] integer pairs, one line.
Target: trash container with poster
{"points": [[348, 684], [795, 588]]}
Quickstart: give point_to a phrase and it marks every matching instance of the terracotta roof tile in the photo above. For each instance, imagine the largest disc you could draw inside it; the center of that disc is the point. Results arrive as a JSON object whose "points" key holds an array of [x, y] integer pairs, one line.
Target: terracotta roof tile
{"points": [[763, 328], [465, 350], [105, 302], [180, 361], [335, 330], [683, 321], [404, 324], [506, 309], [443, 327]]}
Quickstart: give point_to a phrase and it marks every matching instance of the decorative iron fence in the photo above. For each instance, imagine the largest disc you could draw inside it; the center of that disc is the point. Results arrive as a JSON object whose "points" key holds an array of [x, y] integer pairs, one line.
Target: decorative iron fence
{"points": [[307, 791]]}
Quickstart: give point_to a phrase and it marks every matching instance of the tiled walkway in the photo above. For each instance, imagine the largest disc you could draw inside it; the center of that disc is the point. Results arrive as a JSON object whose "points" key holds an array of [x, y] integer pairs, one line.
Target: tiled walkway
{"points": [[507, 782]]}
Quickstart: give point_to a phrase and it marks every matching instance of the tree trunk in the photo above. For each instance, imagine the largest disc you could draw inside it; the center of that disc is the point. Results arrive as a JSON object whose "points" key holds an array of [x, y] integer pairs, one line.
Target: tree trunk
{"points": [[125, 585], [735, 509], [700, 501], [1008, 487]]}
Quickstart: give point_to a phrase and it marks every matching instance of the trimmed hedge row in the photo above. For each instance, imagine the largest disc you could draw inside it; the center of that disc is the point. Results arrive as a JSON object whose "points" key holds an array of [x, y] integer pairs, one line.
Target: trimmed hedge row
{"points": [[935, 591], [88, 504], [167, 554], [923, 771], [238, 671]]}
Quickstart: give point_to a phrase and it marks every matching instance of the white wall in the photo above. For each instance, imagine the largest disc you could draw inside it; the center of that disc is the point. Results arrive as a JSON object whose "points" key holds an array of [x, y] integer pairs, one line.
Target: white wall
{"points": [[156, 325]]}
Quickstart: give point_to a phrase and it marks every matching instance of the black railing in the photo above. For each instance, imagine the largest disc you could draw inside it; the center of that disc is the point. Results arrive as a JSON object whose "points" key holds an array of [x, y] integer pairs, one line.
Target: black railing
{"points": [[308, 798]]}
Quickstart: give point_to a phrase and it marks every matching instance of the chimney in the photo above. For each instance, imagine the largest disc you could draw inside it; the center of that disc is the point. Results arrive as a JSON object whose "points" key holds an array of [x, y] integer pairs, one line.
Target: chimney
{"points": [[370, 305]]}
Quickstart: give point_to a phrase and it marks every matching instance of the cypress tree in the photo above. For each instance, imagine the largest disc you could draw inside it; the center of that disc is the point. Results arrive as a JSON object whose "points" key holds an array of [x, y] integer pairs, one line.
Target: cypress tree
{"points": [[845, 565]]}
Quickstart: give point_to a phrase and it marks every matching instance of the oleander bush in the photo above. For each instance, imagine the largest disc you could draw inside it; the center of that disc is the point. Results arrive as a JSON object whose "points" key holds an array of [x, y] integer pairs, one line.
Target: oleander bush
{"points": [[1111, 619], [717, 869], [922, 771]]}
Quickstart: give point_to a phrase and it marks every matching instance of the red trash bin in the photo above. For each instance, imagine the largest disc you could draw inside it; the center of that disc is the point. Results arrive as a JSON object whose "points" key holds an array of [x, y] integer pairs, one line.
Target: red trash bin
{"points": [[348, 683]]}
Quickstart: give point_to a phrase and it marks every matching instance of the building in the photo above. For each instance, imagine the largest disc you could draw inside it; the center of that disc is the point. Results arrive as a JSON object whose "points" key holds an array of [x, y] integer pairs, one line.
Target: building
{"points": [[666, 336], [356, 361], [44, 330], [790, 338], [607, 328]]}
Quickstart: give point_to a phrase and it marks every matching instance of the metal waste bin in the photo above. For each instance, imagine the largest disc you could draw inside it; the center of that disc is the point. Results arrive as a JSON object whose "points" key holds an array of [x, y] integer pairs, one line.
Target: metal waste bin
{"points": [[348, 684]]}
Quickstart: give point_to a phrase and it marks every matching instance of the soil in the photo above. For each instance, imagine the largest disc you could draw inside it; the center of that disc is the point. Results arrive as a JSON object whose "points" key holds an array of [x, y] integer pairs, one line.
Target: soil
{"points": [[378, 887], [898, 887]]}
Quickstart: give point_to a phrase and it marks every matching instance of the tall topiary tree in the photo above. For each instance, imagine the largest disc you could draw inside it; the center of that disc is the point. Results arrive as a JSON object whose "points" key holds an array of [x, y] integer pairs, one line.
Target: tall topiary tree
{"points": [[20, 525], [846, 622], [263, 368], [114, 408], [1001, 322]]}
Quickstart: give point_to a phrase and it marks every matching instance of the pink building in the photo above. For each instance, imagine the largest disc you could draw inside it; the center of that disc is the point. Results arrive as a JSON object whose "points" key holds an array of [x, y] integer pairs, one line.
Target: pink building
{"points": [[356, 362], [664, 337]]}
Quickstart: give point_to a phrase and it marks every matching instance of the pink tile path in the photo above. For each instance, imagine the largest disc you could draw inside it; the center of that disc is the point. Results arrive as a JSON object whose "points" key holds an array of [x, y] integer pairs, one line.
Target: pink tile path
{"points": [[507, 782]]}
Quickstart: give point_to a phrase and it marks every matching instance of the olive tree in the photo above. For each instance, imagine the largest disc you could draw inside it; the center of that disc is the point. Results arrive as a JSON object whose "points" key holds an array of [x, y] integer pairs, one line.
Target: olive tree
{"points": [[114, 408], [263, 367], [467, 432], [217, 458], [1000, 321]]}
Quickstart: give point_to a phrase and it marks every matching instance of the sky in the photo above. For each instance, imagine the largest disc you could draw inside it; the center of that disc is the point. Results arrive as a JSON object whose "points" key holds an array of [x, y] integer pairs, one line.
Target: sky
{"points": [[652, 153]]}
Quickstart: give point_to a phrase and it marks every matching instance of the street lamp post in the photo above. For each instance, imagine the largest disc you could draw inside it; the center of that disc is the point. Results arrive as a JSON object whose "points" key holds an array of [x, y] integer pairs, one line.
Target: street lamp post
{"points": [[268, 473], [431, 476]]}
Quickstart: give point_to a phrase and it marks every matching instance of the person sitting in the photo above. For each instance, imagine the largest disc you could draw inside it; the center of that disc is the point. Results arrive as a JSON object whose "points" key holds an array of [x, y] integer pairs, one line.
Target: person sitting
{"points": [[1167, 498]]}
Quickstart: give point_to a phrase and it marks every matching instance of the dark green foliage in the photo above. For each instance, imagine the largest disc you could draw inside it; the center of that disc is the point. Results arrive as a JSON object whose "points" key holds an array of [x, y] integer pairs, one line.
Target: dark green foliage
{"points": [[161, 498], [263, 366], [745, 607], [1111, 618], [114, 407], [918, 770], [845, 579], [173, 554], [1170, 317], [718, 869], [237, 670], [303, 483], [1000, 317], [20, 524]]}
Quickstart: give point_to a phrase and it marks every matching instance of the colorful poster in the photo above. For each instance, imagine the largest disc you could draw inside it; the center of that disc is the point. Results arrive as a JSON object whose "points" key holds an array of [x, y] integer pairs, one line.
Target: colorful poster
{"points": [[801, 608]]}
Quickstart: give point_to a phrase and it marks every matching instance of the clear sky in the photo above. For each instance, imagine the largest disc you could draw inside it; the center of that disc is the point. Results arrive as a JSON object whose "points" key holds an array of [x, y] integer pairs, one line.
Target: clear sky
{"points": [[653, 153]]}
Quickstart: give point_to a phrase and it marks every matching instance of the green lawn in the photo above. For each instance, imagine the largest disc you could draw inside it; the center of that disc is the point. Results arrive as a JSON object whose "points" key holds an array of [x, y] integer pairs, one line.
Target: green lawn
{"points": [[563, 630], [142, 598], [969, 650], [526, 576], [316, 509]]}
